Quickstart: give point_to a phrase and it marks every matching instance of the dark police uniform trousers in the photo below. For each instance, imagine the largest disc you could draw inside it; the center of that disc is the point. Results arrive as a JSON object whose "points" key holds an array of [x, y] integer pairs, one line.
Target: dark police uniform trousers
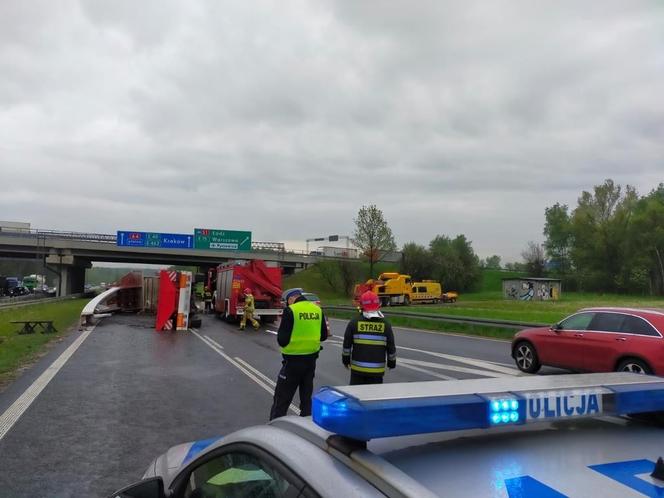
{"points": [[298, 370]]}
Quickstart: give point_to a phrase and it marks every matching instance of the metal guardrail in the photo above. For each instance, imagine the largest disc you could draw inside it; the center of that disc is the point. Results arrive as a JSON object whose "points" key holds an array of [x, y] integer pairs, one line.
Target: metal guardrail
{"points": [[22, 299], [507, 324], [20, 304]]}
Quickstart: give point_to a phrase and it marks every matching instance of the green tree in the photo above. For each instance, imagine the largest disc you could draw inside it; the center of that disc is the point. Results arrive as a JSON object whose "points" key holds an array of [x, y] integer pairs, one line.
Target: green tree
{"points": [[455, 263], [647, 242], [534, 260], [416, 261], [600, 229], [329, 271], [492, 262], [558, 233], [372, 236], [515, 267]]}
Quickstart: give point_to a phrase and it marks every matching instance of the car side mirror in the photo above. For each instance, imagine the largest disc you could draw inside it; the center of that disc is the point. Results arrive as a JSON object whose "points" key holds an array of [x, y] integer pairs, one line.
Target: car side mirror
{"points": [[556, 327], [146, 488]]}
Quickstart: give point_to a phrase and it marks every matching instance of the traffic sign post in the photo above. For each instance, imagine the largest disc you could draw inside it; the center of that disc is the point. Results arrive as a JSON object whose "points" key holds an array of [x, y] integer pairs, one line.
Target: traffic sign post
{"points": [[222, 240], [152, 239]]}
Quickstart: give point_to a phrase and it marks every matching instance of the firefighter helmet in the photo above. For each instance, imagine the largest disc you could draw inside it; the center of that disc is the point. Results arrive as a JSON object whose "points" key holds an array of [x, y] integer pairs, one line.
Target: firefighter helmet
{"points": [[369, 301]]}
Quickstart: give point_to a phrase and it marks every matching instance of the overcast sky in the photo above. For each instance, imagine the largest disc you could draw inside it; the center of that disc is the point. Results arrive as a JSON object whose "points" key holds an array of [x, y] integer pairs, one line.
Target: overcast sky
{"points": [[284, 117]]}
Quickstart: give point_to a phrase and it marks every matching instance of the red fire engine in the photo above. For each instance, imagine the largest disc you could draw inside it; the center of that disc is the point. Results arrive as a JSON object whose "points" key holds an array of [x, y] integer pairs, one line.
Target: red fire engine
{"points": [[265, 285]]}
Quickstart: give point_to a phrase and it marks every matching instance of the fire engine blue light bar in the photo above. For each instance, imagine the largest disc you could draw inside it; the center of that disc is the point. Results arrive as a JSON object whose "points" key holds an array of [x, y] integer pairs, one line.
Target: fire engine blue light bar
{"points": [[364, 414]]}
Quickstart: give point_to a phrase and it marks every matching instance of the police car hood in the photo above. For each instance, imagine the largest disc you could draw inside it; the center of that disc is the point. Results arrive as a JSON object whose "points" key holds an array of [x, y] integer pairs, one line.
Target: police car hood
{"points": [[169, 463], [609, 457]]}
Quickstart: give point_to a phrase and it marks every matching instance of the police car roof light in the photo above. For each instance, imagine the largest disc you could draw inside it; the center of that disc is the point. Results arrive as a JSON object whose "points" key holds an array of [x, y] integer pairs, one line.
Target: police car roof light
{"points": [[368, 412]]}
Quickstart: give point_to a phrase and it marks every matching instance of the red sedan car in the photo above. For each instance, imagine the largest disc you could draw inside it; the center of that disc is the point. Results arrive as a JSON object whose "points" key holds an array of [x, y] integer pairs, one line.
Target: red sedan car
{"points": [[596, 340]]}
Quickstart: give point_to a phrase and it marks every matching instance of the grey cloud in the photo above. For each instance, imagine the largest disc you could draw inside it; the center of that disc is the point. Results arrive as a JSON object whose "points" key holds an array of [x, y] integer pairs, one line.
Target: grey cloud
{"points": [[286, 117]]}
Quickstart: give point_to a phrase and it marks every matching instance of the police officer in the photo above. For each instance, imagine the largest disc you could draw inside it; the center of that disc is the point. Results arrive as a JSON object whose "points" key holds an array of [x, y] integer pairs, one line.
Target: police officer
{"points": [[368, 341], [248, 311], [303, 327]]}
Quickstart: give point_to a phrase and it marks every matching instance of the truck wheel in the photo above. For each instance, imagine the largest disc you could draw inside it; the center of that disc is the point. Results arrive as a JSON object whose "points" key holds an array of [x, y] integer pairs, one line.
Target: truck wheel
{"points": [[195, 323]]}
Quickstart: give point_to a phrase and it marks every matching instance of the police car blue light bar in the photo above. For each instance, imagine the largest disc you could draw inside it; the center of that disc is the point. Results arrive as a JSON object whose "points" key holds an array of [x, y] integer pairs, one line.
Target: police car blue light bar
{"points": [[375, 411]]}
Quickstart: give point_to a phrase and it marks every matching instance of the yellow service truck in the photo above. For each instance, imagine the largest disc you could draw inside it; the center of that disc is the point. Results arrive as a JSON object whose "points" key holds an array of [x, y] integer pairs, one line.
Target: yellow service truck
{"points": [[395, 288]]}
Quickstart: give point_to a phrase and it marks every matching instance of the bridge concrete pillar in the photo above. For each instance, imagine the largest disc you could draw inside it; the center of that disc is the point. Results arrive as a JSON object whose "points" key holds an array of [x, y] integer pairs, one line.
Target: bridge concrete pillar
{"points": [[70, 273]]}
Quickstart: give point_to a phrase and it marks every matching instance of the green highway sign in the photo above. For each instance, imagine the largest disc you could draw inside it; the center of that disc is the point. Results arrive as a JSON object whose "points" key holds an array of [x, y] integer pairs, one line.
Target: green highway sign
{"points": [[222, 240]]}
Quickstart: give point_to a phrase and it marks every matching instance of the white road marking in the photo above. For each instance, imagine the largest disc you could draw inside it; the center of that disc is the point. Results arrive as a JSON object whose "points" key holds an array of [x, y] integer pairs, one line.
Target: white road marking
{"points": [[266, 379], [214, 342], [408, 363], [274, 332], [464, 336], [18, 408], [236, 364], [402, 364], [451, 368], [486, 365]]}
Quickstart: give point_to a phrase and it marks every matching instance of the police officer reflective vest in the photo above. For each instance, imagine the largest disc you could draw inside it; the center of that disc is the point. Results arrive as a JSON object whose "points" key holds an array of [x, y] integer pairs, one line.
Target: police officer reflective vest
{"points": [[307, 323], [367, 343]]}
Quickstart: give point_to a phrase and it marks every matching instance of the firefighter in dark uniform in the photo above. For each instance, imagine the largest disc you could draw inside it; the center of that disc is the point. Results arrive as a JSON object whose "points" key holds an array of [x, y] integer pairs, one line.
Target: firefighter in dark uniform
{"points": [[368, 342], [303, 327]]}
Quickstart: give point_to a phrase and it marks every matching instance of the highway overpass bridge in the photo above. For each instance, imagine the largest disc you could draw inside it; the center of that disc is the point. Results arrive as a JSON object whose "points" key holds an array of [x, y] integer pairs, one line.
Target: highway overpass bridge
{"points": [[68, 254]]}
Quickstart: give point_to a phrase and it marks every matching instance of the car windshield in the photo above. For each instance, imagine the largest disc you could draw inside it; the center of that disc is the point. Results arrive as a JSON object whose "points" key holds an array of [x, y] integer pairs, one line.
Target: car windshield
{"points": [[311, 297]]}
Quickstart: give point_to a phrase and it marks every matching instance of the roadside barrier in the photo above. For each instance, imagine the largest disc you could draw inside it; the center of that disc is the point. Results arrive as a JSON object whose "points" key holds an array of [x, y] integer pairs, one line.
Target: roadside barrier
{"points": [[508, 324]]}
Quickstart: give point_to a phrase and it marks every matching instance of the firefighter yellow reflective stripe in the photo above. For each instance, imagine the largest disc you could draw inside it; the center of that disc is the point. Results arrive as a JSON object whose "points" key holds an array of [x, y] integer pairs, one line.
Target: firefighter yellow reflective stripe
{"points": [[369, 342], [368, 367]]}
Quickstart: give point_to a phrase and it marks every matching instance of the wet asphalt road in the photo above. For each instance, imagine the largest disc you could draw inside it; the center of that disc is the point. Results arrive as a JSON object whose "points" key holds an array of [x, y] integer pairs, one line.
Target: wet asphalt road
{"points": [[129, 393]]}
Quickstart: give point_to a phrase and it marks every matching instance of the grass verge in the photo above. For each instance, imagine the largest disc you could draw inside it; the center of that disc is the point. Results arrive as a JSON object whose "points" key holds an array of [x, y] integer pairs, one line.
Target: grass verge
{"points": [[494, 307], [16, 350], [487, 303], [437, 326]]}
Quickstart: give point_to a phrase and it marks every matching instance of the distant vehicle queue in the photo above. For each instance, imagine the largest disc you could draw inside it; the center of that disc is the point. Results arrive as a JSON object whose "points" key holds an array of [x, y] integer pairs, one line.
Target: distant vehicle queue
{"points": [[30, 284]]}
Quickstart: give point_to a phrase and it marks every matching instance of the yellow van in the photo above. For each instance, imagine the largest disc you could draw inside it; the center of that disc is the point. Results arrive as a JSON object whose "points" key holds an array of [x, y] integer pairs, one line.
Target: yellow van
{"points": [[426, 291]]}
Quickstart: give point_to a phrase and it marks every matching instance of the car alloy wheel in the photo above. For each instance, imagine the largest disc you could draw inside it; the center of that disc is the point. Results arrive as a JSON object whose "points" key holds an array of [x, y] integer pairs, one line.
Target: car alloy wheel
{"points": [[524, 357], [633, 367]]}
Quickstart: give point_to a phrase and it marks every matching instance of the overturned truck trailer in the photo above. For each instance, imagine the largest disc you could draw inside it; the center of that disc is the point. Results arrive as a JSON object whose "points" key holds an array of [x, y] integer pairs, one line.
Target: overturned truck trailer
{"points": [[123, 296], [174, 303]]}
